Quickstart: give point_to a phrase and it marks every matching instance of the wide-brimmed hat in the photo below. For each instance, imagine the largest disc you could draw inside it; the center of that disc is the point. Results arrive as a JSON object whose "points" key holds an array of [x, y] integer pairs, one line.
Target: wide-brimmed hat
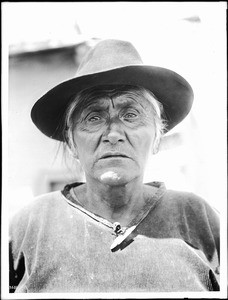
{"points": [[113, 62]]}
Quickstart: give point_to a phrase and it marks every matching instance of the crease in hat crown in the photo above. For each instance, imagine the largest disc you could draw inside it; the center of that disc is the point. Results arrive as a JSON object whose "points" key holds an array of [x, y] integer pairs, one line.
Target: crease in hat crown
{"points": [[109, 55]]}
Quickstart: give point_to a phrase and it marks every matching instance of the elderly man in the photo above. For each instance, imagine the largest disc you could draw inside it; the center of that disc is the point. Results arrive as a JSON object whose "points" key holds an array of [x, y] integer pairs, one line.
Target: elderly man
{"points": [[113, 233]]}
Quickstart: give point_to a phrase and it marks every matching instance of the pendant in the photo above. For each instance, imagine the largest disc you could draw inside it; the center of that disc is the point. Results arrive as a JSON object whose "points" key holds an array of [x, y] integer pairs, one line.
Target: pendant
{"points": [[117, 228], [122, 237]]}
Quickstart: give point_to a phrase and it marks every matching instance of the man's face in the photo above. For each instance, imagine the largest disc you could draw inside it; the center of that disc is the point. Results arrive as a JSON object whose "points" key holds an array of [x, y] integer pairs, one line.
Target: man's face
{"points": [[113, 139]]}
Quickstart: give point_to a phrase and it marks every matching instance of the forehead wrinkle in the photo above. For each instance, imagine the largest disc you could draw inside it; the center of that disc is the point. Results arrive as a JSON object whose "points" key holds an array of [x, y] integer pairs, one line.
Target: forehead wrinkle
{"points": [[122, 101], [127, 101], [112, 102], [96, 104]]}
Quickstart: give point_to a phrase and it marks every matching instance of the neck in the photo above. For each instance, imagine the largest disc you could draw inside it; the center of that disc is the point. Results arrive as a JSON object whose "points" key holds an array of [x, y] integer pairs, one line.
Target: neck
{"points": [[114, 203]]}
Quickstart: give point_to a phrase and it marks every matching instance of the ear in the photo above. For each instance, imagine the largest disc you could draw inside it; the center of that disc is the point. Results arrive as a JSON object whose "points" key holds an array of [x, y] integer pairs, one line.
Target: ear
{"points": [[156, 145], [72, 149], [75, 154]]}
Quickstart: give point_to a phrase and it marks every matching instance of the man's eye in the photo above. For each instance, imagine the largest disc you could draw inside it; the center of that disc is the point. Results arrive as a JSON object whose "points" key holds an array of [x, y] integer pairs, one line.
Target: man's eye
{"points": [[130, 116], [94, 118]]}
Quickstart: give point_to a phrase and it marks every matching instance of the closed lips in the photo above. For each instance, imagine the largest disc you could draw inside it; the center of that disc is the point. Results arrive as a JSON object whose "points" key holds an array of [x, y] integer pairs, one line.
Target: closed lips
{"points": [[108, 155]]}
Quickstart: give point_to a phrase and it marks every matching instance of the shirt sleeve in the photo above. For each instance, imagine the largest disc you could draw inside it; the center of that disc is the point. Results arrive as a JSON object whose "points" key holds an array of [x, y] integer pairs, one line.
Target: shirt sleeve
{"points": [[16, 271], [204, 231], [17, 231]]}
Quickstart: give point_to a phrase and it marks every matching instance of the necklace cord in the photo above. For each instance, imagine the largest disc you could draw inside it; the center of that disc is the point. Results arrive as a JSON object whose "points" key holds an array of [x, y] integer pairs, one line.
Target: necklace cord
{"points": [[72, 199]]}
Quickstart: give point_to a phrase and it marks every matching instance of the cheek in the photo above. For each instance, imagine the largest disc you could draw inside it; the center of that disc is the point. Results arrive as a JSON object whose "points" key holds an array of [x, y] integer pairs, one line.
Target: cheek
{"points": [[147, 132], [85, 145], [146, 148], [145, 140]]}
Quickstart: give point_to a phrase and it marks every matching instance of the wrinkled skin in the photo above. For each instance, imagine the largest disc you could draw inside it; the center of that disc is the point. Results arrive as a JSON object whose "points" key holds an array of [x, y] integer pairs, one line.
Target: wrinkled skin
{"points": [[114, 138]]}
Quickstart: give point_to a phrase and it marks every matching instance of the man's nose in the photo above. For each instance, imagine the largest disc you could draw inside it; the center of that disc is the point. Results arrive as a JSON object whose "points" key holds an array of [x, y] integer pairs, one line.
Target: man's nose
{"points": [[114, 133]]}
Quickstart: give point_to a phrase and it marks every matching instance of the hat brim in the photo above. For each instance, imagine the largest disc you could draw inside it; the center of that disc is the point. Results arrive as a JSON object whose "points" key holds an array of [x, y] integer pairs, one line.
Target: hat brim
{"points": [[171, 89]]}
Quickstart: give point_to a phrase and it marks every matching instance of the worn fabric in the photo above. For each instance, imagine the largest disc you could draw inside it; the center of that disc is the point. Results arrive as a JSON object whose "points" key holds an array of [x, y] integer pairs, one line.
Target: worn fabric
{"points": [[54, 247]]}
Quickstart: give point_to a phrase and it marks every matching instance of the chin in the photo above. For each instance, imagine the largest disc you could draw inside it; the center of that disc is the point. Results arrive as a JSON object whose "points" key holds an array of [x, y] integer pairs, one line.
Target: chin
{"points": [[114, 178]]}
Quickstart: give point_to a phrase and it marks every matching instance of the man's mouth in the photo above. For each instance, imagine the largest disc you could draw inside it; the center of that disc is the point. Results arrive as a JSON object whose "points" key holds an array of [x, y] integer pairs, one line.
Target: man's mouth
{"points": [[114, 155]]}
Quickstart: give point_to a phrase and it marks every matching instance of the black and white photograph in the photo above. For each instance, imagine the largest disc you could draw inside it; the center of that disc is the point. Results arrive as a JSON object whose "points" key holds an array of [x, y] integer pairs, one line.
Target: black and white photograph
{"points": [[114, 139]]}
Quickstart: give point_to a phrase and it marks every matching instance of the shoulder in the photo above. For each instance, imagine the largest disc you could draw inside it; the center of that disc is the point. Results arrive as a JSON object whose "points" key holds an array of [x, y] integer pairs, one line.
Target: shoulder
{"points": [[36, 211], [190, 202], [184, 197], [40, 203], [188, 216], [198, 221], [192, 209], [180, 200]]}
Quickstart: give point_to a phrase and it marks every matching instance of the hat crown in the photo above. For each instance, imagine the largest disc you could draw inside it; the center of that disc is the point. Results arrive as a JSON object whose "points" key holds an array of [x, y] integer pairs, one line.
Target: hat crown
{"points": [[108, 55], [113, 62]]}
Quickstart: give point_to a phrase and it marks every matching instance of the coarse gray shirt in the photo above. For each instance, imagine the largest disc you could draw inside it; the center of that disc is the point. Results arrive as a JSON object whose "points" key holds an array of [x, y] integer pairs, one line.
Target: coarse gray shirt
{"points": [[54, 247]]}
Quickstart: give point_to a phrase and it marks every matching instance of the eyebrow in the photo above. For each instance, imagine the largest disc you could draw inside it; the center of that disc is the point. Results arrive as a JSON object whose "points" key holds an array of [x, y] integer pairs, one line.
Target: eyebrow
{"points": [[103, 106], [129, 101], [97, 107]]}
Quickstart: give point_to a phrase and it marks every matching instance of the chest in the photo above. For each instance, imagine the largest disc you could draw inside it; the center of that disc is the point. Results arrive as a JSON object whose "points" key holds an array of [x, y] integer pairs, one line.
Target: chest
{"points": [[77, 257]]}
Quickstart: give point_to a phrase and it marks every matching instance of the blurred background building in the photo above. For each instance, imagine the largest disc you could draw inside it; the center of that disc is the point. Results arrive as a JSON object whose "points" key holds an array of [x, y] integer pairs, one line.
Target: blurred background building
{"points": [[37, 164], [44, 44]]}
